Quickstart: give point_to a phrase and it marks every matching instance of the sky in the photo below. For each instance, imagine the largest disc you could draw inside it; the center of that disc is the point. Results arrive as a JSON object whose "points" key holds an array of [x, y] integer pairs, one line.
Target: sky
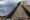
{"points": [[6, 7], [16, 1]]}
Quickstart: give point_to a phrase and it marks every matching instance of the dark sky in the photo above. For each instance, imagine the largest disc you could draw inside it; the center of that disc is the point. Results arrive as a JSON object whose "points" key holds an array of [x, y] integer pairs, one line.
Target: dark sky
{"points": [[4, 9]]}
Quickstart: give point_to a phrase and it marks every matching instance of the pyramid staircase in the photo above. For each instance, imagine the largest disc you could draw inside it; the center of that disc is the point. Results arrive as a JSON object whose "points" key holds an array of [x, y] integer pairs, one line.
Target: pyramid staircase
{"points": [[20, 12]]}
